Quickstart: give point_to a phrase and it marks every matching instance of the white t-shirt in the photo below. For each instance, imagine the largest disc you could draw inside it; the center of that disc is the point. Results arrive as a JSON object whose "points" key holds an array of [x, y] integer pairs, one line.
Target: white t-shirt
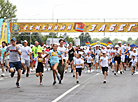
{"points": [[78, 61], [108, 51], [62, 50], [97, 52], [135, 55], [117, 51], [89, 59], [130, 53], [25, 51], [122, 48], [133, 62], [74, 58], [104, 62]]}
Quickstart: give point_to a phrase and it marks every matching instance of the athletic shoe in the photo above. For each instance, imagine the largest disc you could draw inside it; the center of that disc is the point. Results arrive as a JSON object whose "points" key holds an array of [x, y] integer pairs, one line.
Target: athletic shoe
{"points": [[2, 75], [23, 72], [132, 74], [17, 84], [12, 74], [58, 78], [71, 70], [120, 72], [104, 82], [77, 82], [29, 72], [114, 73], [73, 75], [41, 83], [59, 81], [27, 75], [66, 71], [54, 82]]}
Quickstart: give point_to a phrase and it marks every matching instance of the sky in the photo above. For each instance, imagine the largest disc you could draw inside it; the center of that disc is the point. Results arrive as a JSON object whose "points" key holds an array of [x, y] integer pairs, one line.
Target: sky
{"points": [[79, 11]]}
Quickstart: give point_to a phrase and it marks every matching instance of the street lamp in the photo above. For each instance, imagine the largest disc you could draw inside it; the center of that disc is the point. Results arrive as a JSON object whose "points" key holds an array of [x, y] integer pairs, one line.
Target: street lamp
{"points": [[53, 17]]}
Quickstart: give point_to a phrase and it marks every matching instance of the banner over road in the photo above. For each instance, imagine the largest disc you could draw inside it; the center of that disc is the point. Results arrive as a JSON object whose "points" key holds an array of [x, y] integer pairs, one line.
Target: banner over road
{"points": [[75, 27]]}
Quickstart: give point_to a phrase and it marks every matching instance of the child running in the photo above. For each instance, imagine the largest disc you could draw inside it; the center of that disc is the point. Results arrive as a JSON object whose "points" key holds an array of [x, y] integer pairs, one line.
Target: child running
{"points": [[104, 63], [39, 65], [134, 63], [54, 61], [89, 62], [78, 65]]}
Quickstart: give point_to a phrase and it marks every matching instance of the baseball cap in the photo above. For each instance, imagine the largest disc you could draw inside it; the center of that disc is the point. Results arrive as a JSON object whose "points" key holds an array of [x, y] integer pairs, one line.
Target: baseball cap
{"points": [[133, 55], [70, 43], [88, 52], [104, 51], [13, 39], [108, 46], [119, 42], [25, 41], [134, 49], [116, 46], [39, 51]]}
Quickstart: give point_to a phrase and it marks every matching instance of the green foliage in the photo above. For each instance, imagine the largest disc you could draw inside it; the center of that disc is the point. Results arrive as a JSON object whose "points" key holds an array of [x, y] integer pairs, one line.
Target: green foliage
{"points": [[84, 37], [7, 9]]}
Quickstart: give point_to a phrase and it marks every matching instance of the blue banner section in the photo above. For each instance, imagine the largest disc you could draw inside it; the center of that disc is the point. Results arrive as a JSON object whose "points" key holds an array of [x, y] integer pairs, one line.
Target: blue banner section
{"points": [[8, 32], [1, 23]]}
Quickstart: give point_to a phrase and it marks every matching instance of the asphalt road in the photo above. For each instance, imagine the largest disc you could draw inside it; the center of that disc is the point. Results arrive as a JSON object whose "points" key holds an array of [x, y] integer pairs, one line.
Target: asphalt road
{"points": [[121, 88]]}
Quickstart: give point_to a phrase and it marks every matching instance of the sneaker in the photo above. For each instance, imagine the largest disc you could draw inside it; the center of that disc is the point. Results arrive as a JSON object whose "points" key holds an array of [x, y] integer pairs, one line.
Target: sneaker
{"points": [[2, 75], [114, 73], [17, 84], [104, 82], [54, 82], [41, 83], [66, 71], [132, 74], [58, 78], [120, 72], [12, 74], [29, 72], [71, 70], [59, 81], [27, 75], [23, 72], [77, 82], [73, 75]]}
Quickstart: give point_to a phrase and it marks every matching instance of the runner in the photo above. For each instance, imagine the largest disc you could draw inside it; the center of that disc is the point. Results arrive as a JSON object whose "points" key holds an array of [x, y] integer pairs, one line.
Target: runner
{"points": [[97, 56], [39, 65], [71, 55], [35, 49], [54, 61], [121, 47], [89, 62], [2, 50], [14, 59], [117, 59], [78, 65], [25, 57], [134, 64], [61, 66], [66, 59], [104, 63]]}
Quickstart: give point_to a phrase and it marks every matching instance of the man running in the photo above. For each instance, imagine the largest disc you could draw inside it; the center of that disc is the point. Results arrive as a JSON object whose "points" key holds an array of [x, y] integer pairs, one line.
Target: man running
{"points": [[25, 57], [14, 59], [61, 65], [2, 50]]}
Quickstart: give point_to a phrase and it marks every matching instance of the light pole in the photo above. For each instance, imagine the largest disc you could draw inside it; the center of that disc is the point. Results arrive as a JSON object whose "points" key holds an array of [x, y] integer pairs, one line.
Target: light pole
{"points": [[53, 17]]}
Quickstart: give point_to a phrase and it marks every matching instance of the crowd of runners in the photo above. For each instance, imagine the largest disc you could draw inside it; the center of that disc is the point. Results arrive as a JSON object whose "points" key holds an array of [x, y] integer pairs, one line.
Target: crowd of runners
{"points": [[25, 59]]}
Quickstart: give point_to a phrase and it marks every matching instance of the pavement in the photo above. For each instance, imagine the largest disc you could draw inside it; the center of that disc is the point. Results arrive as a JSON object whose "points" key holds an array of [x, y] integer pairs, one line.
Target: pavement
{"points": [[120, 88]]}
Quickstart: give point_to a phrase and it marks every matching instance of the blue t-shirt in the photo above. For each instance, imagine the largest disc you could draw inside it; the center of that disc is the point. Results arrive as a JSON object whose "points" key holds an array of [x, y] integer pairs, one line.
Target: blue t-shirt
{"points": [[126, 53], [54, 56], [2, 52]]}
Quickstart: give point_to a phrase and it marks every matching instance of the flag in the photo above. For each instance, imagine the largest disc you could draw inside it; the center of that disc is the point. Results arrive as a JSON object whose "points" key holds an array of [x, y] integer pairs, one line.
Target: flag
{"points": [[8, 32], [1, 23]]}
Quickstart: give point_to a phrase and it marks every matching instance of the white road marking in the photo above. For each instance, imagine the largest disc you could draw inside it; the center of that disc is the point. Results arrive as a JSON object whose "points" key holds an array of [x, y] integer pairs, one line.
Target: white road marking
{"points": [[67, 92]]}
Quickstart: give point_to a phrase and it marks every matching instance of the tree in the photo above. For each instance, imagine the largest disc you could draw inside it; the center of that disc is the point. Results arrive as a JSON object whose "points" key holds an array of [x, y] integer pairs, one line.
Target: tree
{"points": [[84, 37], [7, 9]]}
